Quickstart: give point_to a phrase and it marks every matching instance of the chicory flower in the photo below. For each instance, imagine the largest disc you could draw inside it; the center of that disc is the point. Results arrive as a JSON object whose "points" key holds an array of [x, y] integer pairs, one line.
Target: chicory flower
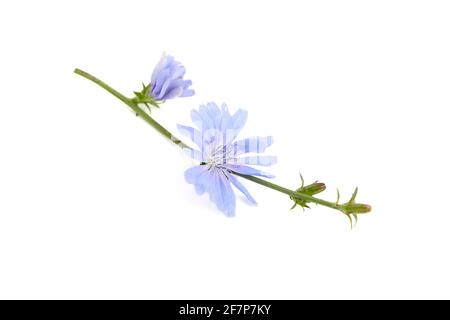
{"points": [[221, 155], [167, 80]]}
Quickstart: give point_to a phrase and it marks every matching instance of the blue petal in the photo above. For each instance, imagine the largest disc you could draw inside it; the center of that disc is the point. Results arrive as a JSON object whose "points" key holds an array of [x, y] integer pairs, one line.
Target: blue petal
{"points": [[186, 83], [248, 171], [194, 154], [239, 119], [222, 194], [232, 125], [208, 119], [202, 117], [204, 181], [200, 177], [228, 127], [255, 160], [229, 199], [165, 59], [172, 82], [226, 117], [198, 119], [177, 71], [191, 175], [191, 133], [175, 92], [242, 188], [216, 184], [159, 82], [253, 144], [188, 93], [213, 112]]}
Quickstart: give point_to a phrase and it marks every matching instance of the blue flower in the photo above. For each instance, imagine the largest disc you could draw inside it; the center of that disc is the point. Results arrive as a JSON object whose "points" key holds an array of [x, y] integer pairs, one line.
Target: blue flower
{"points": [[167, 80], [220, 155]]}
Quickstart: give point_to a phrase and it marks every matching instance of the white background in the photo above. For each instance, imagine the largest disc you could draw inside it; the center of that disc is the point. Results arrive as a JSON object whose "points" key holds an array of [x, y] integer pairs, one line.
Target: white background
{"points": [[93, 203]]}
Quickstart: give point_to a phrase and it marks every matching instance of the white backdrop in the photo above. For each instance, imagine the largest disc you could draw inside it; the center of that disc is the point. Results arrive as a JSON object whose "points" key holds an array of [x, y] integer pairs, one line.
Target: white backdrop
{"points": [[93, 203]]}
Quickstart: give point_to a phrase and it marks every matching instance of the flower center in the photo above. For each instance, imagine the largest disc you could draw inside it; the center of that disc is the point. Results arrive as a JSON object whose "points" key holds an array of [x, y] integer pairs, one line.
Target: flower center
{"points": [[221, 156]]}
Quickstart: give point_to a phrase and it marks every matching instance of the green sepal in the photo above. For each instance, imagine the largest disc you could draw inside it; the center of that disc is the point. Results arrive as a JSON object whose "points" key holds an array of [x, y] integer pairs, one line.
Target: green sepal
{"points": [[143, 97]]}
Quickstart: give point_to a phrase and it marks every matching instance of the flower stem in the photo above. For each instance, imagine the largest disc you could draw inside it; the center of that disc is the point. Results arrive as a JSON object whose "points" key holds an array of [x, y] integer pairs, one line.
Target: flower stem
{"points": [[133, 105], [295, 194], [348, 208]]}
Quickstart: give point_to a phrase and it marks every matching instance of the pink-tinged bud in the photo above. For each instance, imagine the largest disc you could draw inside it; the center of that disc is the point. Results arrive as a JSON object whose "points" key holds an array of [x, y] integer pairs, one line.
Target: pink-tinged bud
{"points": [[312, 189]]}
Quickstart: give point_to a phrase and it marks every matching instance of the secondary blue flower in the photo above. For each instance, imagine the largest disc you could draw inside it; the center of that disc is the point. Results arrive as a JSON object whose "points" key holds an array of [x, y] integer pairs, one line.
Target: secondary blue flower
{"points": [[167, 80], [220, 155]]}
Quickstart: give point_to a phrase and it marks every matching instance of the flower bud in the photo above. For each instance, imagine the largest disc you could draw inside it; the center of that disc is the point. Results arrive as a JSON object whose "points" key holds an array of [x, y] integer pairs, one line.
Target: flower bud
{"points": [[313, 188], [168, 80]]}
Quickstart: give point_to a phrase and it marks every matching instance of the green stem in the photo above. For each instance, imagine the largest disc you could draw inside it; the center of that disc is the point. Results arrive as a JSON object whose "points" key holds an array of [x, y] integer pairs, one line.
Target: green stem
{"points": [[133, 105], [295, 194], [347, 208]]}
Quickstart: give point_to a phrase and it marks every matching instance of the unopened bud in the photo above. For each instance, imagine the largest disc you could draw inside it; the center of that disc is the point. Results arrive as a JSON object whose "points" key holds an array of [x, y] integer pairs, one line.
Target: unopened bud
{"points": [[312, 189]]}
